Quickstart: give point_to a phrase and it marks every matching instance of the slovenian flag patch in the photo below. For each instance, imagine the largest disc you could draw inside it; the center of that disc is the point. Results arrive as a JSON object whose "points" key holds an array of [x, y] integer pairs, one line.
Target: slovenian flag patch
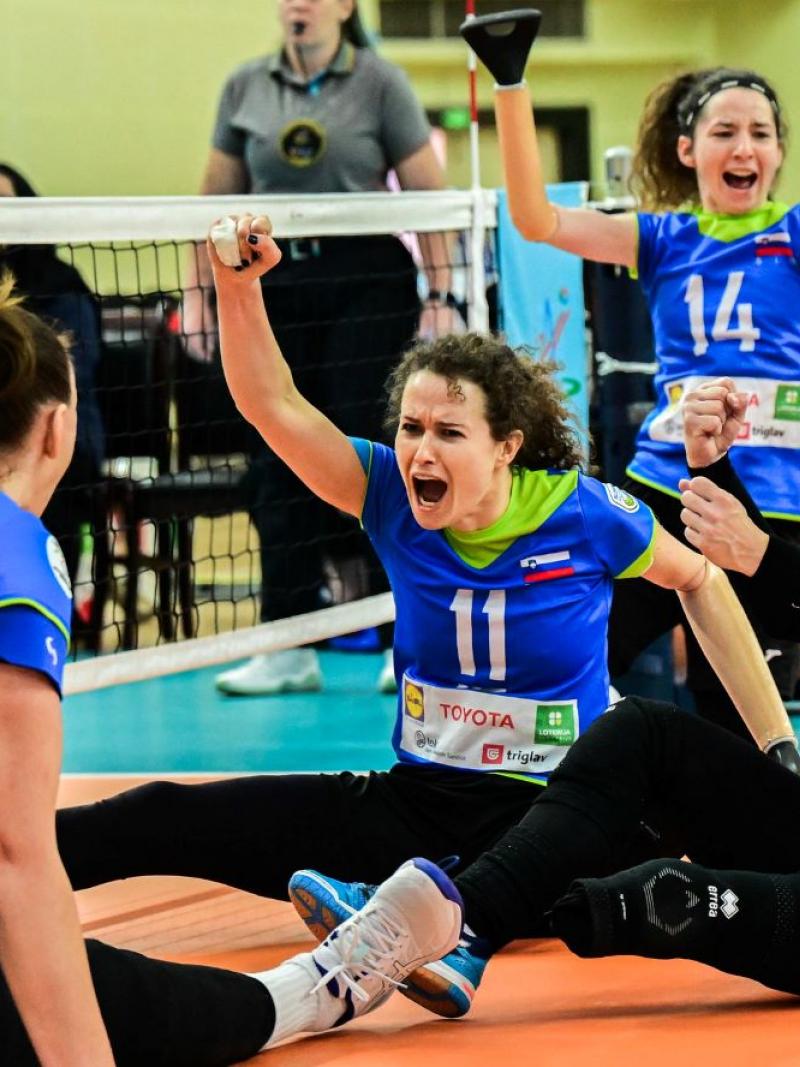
{"points": [[546, 567], [773, 244]]}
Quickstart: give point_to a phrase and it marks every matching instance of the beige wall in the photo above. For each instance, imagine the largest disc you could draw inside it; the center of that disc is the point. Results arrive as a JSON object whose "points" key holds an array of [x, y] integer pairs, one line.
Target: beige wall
{"points": [[116, 97]]}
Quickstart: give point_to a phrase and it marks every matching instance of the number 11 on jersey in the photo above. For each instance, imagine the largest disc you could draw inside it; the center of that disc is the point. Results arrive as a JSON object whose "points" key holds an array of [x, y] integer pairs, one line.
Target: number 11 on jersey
{"points": [[495, 609]]}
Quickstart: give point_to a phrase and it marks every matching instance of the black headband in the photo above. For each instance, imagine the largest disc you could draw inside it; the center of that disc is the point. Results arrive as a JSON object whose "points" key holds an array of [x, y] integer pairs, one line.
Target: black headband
{"points": [[695, 102]]}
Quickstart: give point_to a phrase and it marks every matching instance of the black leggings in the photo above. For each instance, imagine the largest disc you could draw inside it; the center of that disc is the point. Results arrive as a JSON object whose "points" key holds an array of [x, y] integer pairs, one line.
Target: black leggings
{"points": [[642, 612], [253, 833], [161, 1013], [642, 768]]}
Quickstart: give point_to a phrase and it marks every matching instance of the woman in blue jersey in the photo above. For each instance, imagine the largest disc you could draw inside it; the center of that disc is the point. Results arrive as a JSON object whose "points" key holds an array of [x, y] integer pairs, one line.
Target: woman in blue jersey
{"points": [[650, 764], [63, 1002], [501, 555], [717, 259]]}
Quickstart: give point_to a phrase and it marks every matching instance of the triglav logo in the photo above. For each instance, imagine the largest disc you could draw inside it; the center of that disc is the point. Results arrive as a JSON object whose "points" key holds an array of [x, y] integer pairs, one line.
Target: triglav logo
{"points": [[492, 753]]}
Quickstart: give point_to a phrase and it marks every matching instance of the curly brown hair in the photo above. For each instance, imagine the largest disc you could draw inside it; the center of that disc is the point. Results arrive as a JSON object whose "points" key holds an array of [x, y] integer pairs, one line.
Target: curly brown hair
{"points": [[521, 394], [659, 180]]}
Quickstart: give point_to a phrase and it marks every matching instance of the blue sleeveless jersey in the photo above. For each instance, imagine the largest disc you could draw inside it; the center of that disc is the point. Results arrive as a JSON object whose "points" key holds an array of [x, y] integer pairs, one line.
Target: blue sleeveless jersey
{"points": [[502, 666], [724, 295], [35, 594]]}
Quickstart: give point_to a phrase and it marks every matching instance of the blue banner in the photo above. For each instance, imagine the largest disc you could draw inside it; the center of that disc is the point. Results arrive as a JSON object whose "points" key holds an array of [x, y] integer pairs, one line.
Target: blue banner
{"points": [[541, 297]]}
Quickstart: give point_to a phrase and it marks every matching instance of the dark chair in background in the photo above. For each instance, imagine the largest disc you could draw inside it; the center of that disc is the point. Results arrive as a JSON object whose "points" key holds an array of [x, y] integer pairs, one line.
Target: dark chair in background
{"points": [[172, 436]]}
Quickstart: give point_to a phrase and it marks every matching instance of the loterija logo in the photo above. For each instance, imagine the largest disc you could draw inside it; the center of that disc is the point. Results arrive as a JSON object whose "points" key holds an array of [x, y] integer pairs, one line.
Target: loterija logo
{"points": [[413, 702], [493, 753]]}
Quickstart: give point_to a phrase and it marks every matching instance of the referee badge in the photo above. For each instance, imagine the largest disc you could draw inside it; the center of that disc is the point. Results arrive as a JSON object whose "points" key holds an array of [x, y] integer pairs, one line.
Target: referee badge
{"points": [[303, 142]]}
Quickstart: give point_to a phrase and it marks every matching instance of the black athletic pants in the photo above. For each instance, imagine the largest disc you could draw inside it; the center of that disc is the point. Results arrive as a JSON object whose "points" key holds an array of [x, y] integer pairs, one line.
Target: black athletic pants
{"points": [[342, 316], [161, 1013], [255, 832], [644, 770], [642, 612]]}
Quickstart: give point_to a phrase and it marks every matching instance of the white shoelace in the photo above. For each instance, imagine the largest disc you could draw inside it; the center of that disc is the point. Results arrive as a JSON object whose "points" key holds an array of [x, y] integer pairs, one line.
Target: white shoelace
{"points": [[363, 948]]}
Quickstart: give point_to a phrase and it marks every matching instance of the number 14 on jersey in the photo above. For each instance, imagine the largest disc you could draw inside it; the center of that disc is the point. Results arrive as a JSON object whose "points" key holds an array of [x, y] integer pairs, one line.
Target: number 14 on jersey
{"points": [[744, 332]]}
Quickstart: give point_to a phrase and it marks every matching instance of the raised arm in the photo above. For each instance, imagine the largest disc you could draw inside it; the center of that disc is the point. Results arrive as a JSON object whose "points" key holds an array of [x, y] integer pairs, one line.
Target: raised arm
{"points": [[727, 640], [41, 949], [502, 42], [261, 382]]}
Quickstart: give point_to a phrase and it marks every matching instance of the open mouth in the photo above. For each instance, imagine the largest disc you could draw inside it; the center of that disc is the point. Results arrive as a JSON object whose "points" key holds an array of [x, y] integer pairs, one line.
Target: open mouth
{"points": [[429, 490], [739, 181]]}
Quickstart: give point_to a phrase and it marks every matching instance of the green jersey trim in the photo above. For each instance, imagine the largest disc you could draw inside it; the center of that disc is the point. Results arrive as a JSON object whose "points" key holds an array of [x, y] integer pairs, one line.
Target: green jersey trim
{"points": [[367, 473], [534, 497], [23, 602], [519, 777], [730, 228], [634, 271], [643, 562], [653, 485]]}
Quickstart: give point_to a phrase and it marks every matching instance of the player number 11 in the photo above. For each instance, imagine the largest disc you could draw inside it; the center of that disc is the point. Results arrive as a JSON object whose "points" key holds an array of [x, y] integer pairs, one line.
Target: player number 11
{"points": [[495, 609]]}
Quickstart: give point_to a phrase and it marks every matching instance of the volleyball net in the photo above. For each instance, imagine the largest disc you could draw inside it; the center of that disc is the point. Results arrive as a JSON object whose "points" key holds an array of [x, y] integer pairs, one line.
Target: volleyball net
{"points": [[180, 530]]}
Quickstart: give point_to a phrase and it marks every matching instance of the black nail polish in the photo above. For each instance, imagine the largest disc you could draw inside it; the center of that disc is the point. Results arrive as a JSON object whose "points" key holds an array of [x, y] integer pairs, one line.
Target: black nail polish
{"points": [[256, 255], [238, 268], [252, 239]]}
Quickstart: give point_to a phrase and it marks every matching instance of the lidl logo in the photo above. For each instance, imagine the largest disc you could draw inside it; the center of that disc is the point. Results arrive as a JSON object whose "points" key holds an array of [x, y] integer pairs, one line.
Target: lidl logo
{"points": [[413, 702], [555, 724], [674, 393]]}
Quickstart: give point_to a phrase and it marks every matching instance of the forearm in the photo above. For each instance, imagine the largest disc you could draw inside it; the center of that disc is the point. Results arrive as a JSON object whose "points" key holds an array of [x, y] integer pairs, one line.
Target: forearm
{"points": [[729, 644], [437, 259], [723, 474], [258, 376], [530, 210], [44, 962]]}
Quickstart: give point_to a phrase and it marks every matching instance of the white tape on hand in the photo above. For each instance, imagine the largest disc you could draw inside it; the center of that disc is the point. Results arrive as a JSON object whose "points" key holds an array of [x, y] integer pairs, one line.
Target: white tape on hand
{"points": [[226, 242]]}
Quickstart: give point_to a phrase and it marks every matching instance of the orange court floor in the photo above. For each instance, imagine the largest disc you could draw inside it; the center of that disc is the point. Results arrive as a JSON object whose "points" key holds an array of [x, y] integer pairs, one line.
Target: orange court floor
{"points": [[537, 1005]]}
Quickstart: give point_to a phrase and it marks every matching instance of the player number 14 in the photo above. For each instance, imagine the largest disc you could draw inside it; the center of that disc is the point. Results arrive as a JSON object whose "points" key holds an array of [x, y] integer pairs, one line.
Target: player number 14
{"points": [[745, 332], [495, 609]]}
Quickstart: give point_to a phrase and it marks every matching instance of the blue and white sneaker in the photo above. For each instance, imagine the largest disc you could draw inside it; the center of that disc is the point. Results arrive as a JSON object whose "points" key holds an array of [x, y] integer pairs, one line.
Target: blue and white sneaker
{"points": [[413, 918], [445, 987]]}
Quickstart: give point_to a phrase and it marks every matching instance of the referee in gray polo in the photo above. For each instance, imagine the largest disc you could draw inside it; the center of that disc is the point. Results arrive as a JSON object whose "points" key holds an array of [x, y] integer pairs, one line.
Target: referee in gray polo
{"points": [[325, 114]]}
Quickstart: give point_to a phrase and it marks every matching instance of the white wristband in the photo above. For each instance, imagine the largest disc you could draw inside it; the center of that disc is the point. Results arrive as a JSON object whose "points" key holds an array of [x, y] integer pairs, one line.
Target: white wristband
{"points": [[226, 241]]}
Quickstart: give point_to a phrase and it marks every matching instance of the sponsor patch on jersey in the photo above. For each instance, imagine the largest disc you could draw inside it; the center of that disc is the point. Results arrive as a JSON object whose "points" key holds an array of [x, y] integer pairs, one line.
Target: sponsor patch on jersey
{"points": [[787, 402], [620, 499], [58, 565], [492, 754], [413, 701], [555, 724], [546, 566], [303, 142]]}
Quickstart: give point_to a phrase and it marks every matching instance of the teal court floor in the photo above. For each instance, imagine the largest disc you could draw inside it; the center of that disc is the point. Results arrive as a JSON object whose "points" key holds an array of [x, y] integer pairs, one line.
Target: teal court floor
{"points": [[181, 724]]}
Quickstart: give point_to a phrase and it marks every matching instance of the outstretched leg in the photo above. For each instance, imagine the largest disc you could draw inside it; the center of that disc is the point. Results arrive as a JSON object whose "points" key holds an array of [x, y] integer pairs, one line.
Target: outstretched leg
{"points": [[646, 778], [738, 921]]}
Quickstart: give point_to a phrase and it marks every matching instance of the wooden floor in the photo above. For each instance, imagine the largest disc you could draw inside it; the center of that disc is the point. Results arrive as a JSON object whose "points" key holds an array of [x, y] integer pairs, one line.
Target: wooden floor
{"points": [[538, 1004]]}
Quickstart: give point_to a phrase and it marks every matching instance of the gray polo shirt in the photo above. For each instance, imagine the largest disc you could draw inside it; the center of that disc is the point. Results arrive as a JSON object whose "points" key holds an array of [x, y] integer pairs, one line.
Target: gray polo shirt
{"points": [[341, 135]]}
